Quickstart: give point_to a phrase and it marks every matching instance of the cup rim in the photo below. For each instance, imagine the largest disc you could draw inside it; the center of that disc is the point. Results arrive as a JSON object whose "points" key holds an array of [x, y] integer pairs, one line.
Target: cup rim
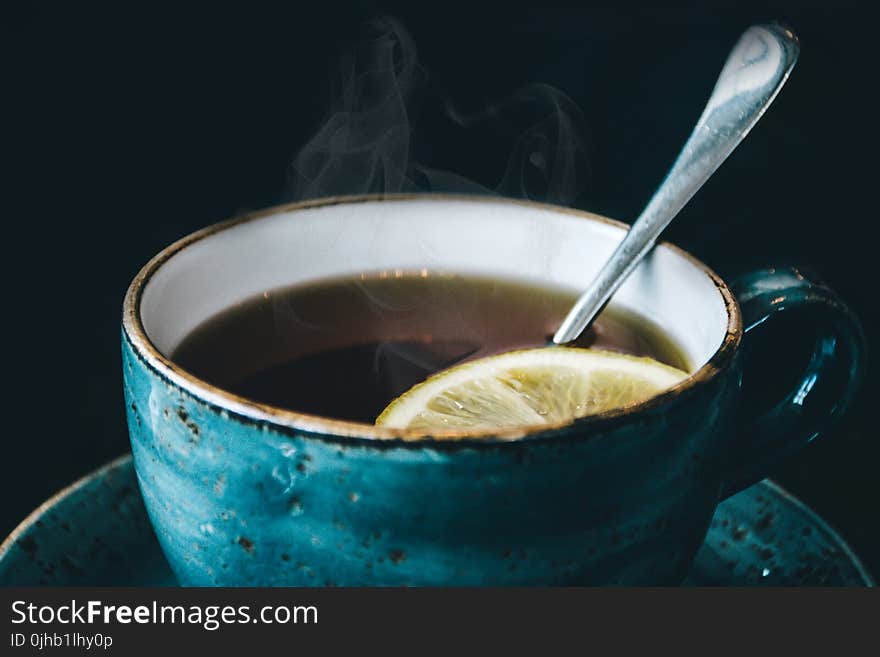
{"points": [[337, 430]]}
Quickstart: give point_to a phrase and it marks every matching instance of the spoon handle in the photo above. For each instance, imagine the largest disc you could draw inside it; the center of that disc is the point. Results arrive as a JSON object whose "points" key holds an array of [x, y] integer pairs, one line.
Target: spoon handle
{"points": [[752, 76]]}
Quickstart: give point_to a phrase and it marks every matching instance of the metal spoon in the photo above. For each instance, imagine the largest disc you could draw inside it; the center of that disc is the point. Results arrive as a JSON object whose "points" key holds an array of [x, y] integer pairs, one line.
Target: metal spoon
{"points": [[754, 73]]}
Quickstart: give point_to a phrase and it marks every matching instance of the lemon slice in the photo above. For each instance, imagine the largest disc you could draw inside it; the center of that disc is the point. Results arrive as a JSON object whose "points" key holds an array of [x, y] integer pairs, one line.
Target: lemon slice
{"points": [[528, 387]]}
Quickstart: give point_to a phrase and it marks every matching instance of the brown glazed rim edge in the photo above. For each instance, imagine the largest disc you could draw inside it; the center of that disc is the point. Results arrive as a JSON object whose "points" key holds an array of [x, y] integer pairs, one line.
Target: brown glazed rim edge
{"points": [[329, 428]]}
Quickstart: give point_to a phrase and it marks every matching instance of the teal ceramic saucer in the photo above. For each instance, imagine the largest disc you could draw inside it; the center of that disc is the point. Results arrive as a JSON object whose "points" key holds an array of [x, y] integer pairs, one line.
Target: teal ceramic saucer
{"points": [[96, 532]]}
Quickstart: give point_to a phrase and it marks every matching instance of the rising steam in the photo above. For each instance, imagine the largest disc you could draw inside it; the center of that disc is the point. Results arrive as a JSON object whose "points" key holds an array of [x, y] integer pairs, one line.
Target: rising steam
{"points": [[365, 142]]}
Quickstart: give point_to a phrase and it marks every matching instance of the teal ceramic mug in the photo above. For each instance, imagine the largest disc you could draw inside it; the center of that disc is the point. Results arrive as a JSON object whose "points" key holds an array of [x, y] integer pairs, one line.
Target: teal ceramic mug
{"points": [[242, 493]]}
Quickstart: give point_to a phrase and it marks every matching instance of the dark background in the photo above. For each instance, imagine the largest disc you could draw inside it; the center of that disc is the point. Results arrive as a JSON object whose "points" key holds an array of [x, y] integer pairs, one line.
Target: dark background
{"points": [[128, 130]]}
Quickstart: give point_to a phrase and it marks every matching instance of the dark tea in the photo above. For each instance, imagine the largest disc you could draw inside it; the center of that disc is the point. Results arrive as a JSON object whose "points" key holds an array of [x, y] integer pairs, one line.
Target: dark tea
{"points": [[345, 348]]}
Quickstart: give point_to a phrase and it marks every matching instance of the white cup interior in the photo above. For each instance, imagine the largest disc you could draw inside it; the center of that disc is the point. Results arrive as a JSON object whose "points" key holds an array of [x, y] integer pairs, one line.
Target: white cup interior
{"points": [[487, 237]]}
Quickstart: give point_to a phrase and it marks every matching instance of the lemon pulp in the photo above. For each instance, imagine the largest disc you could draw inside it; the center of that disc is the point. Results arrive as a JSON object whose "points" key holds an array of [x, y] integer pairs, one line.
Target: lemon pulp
{"points": [[528, 387]]}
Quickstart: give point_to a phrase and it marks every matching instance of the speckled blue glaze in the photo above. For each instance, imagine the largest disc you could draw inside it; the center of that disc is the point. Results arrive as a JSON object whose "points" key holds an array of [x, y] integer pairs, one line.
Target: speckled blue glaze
{"points": [[96, 532], [241, 493], [237, 502], [619, 500]]}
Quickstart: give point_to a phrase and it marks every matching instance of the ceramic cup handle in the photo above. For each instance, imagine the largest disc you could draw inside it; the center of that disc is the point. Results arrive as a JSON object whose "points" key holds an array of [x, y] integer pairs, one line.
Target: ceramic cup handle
{"points": [[818, 397]]}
